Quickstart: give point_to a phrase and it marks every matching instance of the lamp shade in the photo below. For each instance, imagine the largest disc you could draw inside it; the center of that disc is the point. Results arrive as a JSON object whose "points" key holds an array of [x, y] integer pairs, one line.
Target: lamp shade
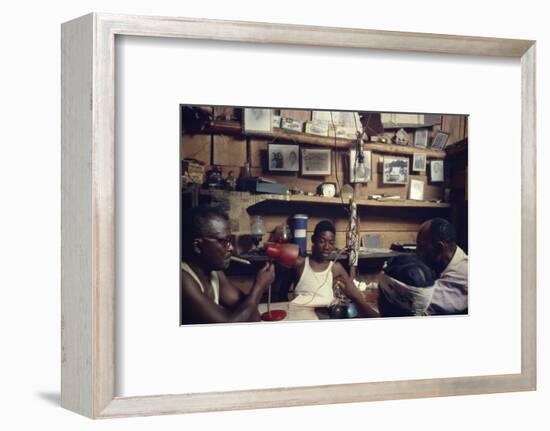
{"points": [[284, 254]]}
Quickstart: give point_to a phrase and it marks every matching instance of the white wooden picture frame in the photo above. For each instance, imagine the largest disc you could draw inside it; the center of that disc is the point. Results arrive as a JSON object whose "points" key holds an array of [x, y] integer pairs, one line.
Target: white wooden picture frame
{"points": [[88, 215]]}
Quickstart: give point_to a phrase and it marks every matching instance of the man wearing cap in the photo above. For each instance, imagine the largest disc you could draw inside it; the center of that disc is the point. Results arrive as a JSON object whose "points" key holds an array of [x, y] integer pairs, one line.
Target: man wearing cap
{"points": [[436, 246], [405, 288]]}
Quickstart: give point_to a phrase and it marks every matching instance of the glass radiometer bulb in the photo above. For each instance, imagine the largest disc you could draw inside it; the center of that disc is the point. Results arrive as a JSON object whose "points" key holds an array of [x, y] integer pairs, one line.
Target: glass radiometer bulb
{"points": [[361, 171], [257, 226]]}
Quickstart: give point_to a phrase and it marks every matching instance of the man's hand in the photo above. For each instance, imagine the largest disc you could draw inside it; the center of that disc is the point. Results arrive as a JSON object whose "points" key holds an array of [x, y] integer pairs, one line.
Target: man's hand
{"points": [[265, 276], [347, 287]]}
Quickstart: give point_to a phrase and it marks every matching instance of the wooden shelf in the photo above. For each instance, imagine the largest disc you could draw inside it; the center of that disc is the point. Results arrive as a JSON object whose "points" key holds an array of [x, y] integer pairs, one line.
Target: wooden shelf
{"points": [[361, 202], [254, 199], [409, 126], [234, 128], [403, 150]]}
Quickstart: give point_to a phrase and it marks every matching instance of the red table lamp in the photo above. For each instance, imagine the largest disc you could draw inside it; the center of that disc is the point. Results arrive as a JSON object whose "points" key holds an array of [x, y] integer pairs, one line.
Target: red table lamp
{"points": [[285, 255]]}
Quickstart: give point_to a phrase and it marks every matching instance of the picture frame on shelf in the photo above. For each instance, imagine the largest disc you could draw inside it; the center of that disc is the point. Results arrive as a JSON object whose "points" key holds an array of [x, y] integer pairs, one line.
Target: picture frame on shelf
{"points": [[421, 138], [92, 367], [439, 141]]}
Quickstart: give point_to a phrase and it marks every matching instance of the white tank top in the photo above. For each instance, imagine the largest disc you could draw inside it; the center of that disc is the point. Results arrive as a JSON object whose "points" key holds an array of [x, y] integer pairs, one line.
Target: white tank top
{"points": [[314, 289], [214, 281]]}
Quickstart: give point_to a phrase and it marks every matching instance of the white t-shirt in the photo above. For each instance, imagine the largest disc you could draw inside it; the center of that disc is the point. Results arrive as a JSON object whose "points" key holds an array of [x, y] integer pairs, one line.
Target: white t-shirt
{"points": [[451, 288], [214, 281], [314, 289]]}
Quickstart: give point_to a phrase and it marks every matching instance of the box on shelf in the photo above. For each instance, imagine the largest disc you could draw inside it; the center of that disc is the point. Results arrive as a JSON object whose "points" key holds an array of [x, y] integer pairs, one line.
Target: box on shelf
{"points": [[291, 124], [193, 169], [319, 128]]}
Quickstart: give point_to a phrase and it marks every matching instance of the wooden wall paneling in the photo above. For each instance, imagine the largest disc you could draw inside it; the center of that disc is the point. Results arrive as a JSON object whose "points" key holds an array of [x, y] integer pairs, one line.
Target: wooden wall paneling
{"points": [[395, 224], [229, 150], [226, 169], [369, 223], [258, 153], [197, 147], [387, 238], [272, 221], [454, 125]]}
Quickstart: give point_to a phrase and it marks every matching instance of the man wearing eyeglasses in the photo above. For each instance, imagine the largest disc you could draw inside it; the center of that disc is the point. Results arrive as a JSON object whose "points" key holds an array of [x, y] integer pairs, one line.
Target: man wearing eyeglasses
{"points": [[206, 295]]}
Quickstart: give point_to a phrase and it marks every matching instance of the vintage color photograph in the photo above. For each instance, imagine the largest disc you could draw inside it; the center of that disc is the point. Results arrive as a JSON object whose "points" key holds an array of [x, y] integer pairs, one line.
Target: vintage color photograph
{"points": [[300, 214]]}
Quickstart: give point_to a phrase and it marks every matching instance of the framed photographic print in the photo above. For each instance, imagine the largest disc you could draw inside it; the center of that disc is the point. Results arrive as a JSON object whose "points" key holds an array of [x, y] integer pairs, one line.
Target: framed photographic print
{"points": [[416, 190], [284, 157], [359, 172], [116, 363], [316, 162], [395, 170], [440, 140], [437, 171], [419, 162], [257, 120], [421, 138]]}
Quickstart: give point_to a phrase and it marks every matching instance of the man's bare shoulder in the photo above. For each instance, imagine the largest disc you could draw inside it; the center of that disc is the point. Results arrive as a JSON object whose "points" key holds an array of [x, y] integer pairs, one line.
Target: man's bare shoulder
{"points": [[187, 281]]}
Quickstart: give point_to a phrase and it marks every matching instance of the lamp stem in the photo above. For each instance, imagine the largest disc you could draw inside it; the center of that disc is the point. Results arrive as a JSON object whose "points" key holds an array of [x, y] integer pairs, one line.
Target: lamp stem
{"points": [[269, 299]]}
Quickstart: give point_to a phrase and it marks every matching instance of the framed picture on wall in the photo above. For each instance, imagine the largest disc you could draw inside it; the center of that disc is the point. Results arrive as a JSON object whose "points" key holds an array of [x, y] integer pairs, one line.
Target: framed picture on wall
{"points": [[316, 161], [283, 157], [119, 366], [437, 171], [395, 170], [416, 190], [419, 162]]}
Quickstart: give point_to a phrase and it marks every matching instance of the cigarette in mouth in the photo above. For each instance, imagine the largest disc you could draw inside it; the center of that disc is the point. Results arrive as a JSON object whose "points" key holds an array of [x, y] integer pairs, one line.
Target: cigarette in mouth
{"points": [[238, 259]]}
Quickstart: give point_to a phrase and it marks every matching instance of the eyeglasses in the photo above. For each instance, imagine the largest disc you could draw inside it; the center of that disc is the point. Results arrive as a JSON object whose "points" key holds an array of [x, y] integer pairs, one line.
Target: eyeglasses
{"points": [[224, 242]]}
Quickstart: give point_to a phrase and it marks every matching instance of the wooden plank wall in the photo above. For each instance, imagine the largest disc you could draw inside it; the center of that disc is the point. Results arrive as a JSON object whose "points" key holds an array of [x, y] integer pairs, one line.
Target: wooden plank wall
{"points": [[397, 224]]}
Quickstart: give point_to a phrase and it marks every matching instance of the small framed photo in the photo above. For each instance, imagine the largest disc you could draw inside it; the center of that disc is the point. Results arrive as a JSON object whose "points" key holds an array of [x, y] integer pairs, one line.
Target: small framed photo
{"points": [[316, 162], [419, 162], [283, 157], [436, 171], [421, 138], [395, 170], [358, 173], [257, 120], [416, 190], [440, 140]]}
